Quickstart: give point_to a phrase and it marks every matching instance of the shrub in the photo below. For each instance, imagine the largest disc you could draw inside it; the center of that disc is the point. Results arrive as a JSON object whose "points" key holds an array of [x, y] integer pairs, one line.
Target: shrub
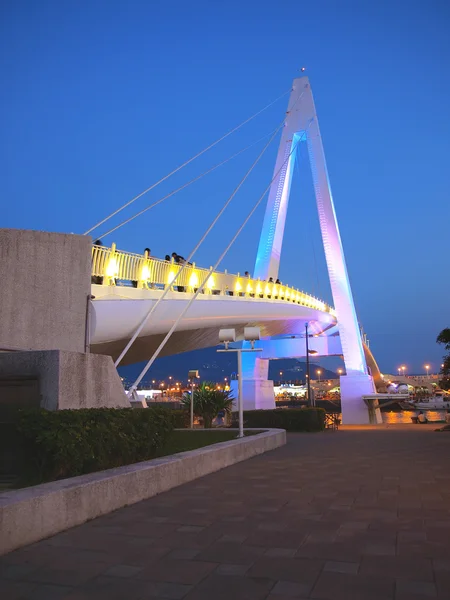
{"points": [[181, 418], [291, 419], [208, 402], [65, 443]]}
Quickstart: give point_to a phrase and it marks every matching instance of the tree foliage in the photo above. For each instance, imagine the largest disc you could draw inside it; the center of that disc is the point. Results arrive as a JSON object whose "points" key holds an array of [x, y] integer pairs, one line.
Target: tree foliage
{"points": [[208, 402], [444, 339]]}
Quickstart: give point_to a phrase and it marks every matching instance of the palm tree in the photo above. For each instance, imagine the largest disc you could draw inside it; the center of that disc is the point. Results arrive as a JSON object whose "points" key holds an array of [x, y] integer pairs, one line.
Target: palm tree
{"points": [[208, 402]]}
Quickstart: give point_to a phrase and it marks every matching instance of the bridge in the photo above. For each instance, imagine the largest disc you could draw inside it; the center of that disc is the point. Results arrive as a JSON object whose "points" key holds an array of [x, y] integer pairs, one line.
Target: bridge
{"points": [[143, 307]]}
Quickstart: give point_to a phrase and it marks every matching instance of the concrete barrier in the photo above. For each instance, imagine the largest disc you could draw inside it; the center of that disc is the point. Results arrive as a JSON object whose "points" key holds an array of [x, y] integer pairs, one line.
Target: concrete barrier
{"points": [[34, 513]]}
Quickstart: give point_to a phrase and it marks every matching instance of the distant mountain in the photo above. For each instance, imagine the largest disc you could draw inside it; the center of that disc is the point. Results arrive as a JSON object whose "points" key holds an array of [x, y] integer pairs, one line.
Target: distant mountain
{"points": [[215, 366]]}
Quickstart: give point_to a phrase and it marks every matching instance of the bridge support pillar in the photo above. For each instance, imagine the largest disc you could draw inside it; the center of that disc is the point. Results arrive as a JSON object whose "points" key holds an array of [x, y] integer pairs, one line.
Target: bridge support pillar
{"points": [[354, 410], [257, 390]]}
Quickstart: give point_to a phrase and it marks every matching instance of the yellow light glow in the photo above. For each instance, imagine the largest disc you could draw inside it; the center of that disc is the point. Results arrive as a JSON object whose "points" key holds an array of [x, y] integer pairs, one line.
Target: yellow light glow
{"points": [[288, 294], [171, 277], [267, 290], [210, 283], [281, 292], [258, 288], [297, 297], [193, 280], [249, 288], [112, 270], [238, 286], [275, 290], [145, 274]]}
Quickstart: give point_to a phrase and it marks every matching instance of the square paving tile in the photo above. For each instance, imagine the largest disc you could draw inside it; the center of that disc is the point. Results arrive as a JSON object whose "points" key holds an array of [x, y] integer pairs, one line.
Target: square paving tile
{"points": [[291, 589], [398, 566], [287, 569], [343, 586], [415, 588], [231, 553], [222, 587], [177, 571], [225, 569]]}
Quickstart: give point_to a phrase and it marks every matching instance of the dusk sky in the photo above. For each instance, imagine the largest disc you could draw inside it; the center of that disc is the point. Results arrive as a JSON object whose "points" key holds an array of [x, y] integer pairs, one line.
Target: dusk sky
{"points": [[100, 99]]}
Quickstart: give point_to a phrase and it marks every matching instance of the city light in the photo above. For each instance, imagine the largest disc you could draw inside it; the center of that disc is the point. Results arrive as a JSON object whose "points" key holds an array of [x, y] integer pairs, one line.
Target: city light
{"points": [[427, 367], [340, 371], [319, 373]]}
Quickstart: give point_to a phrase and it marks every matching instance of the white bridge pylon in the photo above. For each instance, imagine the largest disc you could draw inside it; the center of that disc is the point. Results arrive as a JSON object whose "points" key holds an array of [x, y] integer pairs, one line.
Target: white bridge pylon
{"points": [[302, 126], [121, 312]]}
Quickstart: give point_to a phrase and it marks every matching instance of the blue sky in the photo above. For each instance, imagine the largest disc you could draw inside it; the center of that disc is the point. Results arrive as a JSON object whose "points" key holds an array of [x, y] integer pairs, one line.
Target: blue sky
{"points": [[101, 99]]}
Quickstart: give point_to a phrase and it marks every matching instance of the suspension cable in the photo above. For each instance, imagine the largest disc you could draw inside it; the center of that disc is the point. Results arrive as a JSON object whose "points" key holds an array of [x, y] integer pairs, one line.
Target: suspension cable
{"points": [[187, 162], [211, 270], [173, 192], [219, 214]]}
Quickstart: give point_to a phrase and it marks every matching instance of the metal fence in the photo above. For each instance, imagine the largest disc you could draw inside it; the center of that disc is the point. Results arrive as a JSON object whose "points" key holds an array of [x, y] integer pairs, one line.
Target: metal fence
{"points": [[115, 267]]}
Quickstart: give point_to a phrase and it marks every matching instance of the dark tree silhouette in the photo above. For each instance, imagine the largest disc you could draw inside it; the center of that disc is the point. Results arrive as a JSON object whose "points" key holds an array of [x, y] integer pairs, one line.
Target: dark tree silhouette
{"points": [[444, 339]]}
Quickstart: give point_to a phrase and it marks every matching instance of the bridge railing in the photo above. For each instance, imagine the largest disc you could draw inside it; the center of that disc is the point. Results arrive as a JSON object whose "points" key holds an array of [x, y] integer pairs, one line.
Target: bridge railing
{"points": [[115, 267]]}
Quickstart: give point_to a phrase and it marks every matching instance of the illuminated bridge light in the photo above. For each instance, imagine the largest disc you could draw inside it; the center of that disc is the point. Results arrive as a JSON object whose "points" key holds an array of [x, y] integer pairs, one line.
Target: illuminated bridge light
{"points": [[145, 274], [193, 280]]}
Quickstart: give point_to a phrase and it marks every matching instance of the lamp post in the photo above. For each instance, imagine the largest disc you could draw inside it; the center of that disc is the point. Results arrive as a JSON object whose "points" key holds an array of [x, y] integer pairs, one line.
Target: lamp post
{"points": [[192, 375], [226, 336], [307, 366], [427, 368], [319, 373]]}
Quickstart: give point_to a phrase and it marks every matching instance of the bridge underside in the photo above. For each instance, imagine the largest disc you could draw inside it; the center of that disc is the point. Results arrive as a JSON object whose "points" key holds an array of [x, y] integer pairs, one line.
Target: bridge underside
{"points": [[117, 311]]}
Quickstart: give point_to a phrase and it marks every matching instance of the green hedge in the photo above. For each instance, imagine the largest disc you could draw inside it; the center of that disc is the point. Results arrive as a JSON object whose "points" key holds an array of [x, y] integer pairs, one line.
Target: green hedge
{"points": [[291, 419], [181, 418], [65, 443]]}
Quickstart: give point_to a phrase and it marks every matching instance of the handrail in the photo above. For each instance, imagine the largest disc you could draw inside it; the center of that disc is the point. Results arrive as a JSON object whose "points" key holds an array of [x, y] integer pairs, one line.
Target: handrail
{"points": [[116, 267]]}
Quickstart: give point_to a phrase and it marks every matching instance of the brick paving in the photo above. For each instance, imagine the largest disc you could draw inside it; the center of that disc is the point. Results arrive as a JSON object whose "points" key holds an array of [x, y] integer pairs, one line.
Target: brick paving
{"points": [[359, 514]]}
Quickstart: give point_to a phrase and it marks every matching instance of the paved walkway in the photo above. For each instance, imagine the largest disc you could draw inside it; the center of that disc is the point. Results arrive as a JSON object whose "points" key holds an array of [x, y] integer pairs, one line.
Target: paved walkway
{"points": [[352, 515]]}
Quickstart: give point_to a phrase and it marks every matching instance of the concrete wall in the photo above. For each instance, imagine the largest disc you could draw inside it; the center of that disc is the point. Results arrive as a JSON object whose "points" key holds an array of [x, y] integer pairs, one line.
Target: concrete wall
{"points": [[67, 379], [45, 282], [31, 514]]}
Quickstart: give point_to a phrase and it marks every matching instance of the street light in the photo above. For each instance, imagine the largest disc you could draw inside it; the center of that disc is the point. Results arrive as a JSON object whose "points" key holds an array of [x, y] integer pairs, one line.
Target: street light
{"points": [[319, 373], [193, 375], [308, 374], [340, 371], [427, 367], [399, 369], [226, 336], [404, 370]]}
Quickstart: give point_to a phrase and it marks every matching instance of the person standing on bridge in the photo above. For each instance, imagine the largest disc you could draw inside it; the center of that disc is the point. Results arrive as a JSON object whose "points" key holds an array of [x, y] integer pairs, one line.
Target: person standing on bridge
{"points": [[98, 279], [179, 260]]}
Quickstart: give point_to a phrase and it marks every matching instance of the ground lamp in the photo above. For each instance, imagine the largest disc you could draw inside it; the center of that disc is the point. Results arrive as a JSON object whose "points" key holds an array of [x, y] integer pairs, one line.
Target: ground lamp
{"points": [[192, 375], [227, 336]]}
